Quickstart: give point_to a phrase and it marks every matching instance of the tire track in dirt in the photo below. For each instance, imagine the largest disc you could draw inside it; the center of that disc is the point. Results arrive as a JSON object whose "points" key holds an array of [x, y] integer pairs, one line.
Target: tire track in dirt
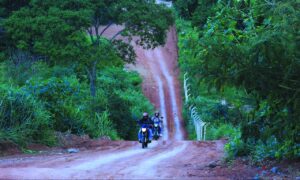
{"points": [[172, 94]]}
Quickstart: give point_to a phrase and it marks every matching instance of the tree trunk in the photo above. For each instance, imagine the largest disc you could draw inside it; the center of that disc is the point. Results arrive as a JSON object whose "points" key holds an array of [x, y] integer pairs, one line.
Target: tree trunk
{"points": [[92, 74]]}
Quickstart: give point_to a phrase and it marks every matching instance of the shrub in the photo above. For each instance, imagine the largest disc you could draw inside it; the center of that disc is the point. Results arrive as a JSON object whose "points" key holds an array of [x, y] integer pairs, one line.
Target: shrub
{"points": [[272, 149], [235, 147], [118, 101], [126, 102], [222, 131], [59, 95], [101, 125], [66, 99], [23, 119]]}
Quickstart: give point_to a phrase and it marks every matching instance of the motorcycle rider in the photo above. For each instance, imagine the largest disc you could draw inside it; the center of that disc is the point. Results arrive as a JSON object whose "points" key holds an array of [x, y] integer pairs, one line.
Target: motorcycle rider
{"points": [[146, 121], [158, 119]]}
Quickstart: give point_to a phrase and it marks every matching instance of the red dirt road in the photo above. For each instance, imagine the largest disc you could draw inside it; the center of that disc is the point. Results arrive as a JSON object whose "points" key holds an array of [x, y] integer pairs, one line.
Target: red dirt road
{"points": [[180, 159], [171, 157]]}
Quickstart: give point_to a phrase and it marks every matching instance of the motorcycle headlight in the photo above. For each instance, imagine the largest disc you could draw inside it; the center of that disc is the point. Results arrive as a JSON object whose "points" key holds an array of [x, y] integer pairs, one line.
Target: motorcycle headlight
{"points": [[155, 125], [144, 129]]}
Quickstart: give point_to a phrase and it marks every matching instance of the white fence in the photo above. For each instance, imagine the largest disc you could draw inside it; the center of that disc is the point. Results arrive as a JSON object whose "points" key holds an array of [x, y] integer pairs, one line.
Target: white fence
{"points": [[200, 126]]}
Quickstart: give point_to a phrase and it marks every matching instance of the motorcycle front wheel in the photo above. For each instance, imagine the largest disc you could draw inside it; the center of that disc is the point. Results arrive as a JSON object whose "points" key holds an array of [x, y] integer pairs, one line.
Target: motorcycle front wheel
{"points": [[144, 143]]}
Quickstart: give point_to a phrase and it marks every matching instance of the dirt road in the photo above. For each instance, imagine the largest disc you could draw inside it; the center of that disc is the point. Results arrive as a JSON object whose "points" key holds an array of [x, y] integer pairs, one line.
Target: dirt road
{"points": [[171, 157], [180, 159]]}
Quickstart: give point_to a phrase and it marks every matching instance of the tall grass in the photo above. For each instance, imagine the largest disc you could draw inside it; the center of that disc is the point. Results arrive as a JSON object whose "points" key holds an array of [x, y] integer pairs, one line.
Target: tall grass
{"points": [[103, 126], [23, 119]]}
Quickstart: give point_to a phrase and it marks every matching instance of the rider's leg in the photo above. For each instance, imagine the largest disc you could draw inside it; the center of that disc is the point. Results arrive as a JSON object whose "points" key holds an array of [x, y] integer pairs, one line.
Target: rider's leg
{"points": [[150, 135], [159, 129], [140, 135]]}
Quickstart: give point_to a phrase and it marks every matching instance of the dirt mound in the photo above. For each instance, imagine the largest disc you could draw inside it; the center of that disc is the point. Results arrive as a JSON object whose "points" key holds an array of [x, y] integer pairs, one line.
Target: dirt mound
{"points": [[9, 148], [66, 140]]}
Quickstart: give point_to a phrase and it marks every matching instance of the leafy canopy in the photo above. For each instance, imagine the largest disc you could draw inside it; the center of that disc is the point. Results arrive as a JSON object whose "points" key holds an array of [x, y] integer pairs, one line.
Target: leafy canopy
{"points": [[57, 29]]}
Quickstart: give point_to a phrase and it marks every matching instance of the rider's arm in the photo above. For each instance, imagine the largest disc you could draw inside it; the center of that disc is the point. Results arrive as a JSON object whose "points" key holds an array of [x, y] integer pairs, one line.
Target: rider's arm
{"points": [[139, 122], [151, 121]]}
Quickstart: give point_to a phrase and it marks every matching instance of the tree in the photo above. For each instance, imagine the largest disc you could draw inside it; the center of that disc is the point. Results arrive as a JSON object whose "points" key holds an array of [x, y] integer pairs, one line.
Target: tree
{"points": [[6, 8], [57, 29], [203, 10], [139, 18], [186, 8], [253, 45]]}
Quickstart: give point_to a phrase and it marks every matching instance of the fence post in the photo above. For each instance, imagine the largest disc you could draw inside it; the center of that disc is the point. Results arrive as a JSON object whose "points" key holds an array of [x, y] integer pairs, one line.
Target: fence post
{"points": [[185, 86], [204, 134]]}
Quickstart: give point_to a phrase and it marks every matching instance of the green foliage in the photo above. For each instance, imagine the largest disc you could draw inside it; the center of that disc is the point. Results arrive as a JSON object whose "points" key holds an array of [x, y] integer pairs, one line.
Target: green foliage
{"points": [[126, 102], [236, 147], [23, 119], [50, 29], [77, 83], [55, 31], [101, 125], [6, 8], [67, 102], [60, 97], [222, 131], [250, 48], [203, 10], [186, 8], [72, 109]]}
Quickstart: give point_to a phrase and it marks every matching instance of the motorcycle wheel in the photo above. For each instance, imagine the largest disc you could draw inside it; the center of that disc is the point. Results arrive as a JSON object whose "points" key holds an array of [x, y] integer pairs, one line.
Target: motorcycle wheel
{"points": [[144, 143]]}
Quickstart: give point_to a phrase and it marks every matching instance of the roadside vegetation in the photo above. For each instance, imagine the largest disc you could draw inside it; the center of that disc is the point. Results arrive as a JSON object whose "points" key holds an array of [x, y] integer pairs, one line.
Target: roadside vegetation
{"points": [[58, 73], [243, 63]]}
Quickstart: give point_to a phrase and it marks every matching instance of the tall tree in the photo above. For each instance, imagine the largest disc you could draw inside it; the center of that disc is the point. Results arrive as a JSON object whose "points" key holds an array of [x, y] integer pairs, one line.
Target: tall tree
{"points": [[6, 8]]}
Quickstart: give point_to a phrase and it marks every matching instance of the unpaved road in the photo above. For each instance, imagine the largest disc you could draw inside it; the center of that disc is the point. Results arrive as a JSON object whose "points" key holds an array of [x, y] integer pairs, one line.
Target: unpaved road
{"points": [[171, 157]]}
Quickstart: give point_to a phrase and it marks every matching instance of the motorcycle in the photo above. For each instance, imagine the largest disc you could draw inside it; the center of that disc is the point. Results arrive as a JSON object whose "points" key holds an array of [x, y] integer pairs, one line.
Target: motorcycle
{"points": [[155, 131], [144, 134]]}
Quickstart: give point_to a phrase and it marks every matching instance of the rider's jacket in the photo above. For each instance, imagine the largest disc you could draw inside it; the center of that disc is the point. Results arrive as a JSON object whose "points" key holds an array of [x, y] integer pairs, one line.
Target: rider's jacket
{"points": [[145, 121], [156, 119]]}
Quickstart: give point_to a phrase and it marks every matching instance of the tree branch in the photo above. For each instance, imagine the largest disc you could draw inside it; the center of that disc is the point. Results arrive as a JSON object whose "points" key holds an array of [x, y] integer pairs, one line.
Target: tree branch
{"points": [[97, 33], [88, 71], [90, 31], [117, 34], [106, 28]]}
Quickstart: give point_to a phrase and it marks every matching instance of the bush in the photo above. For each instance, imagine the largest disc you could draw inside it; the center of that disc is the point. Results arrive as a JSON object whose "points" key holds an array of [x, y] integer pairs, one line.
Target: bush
{"points": [[61, 96], [272, 149], [236, 147], [119, 101], [221, 131], [101, 126], [112, 112], [23, 119], [126, 102]]}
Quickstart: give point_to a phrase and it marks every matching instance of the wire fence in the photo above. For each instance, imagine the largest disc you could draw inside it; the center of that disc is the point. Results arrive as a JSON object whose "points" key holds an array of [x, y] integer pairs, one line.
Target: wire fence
{"points": [[200, 126]]}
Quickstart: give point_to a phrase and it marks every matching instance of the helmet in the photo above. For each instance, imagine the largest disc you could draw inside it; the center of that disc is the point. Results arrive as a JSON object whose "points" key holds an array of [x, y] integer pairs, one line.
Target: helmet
{"points": [[145, 114], [156, 113]]}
